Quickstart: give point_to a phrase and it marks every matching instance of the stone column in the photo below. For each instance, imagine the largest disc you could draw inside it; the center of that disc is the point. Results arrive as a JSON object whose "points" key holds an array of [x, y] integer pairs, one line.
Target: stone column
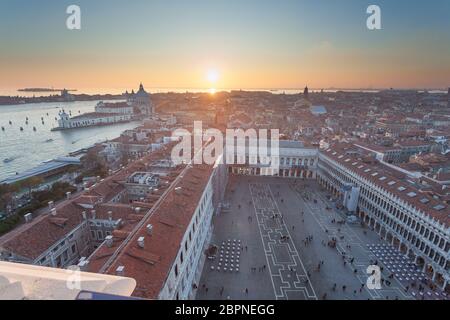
{"points": [[407, 252]]}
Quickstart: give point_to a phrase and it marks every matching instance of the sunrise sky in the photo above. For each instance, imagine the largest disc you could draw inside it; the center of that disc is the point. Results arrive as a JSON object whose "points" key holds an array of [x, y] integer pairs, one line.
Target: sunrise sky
{"points": [[225, 44]]}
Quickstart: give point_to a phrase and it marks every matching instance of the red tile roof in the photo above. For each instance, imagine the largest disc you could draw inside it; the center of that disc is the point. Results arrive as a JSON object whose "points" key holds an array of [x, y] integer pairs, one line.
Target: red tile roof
{"points": [[44, 233], [338, 153], [151, 265]]}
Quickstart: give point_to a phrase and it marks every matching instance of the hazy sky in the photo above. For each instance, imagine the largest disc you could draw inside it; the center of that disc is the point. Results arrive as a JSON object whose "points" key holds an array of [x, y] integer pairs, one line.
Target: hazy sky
{"points": [[250, 44]]}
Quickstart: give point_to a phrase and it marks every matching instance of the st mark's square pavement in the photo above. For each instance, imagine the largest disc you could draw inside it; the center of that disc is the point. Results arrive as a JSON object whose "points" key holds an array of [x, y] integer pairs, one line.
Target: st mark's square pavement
{"points": [[282, 229]]}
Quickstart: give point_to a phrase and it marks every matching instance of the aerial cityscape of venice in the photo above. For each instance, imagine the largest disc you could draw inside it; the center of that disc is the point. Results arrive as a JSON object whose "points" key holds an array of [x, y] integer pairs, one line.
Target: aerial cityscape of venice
{"points": [[233, 151]]}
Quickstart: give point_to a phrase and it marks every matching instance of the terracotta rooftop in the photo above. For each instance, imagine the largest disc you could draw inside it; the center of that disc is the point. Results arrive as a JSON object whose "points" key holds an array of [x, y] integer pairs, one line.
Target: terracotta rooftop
{"points": [[44, 233], [392, 181], [150, 265]]}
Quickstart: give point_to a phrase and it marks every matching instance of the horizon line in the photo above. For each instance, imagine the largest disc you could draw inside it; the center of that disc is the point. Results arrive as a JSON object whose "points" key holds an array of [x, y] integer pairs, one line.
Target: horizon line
{"points": [[242, 88]]}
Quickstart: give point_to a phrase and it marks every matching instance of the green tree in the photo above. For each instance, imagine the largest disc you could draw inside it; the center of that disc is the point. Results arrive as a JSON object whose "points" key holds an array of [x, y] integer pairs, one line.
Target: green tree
{"points": [[92, 160], [94, 165], [5, 199]]}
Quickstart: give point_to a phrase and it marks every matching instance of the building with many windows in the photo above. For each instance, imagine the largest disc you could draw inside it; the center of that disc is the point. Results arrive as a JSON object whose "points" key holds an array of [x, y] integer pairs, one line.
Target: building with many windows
{"points": [[140, 184], [118, 107], [392, 203], [90, 119], [293, 160], [385, 197], [160, 238], [165, 255]]}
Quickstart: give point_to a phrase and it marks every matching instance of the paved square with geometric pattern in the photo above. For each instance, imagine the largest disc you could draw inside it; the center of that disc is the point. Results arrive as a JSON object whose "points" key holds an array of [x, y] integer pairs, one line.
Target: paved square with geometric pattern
{"points": [[273, 217], [285, 266]]}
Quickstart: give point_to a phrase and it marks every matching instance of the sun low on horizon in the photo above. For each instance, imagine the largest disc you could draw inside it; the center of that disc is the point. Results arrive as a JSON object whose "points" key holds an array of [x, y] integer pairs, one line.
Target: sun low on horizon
{"points": [[224, 45], [212, 77]]}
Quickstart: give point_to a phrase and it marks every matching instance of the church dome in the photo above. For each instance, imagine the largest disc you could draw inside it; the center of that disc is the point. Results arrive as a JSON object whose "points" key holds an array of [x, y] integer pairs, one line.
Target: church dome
{"points": [[142, 93]]}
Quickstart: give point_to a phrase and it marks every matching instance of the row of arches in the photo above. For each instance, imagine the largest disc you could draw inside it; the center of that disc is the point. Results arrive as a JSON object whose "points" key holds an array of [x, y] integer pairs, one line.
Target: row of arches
{"points": [[267, 171], [386, 234]]}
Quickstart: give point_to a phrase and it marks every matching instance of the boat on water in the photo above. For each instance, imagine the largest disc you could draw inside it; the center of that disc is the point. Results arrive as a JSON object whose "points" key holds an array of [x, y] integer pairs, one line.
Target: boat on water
{"points": [[10, 159], [49, 140]]}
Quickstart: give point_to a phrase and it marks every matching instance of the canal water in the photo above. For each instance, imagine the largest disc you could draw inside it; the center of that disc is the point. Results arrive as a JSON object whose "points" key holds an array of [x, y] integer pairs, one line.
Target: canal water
{"points": [[29, 148]]}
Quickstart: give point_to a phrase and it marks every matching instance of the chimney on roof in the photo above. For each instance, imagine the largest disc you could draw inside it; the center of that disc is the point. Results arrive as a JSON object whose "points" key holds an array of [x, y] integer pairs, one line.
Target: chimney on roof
{"points": [[109, 241], [68, 194], [28, 217], [83, 265], [84, 215], [93, 214], [120, 271], [53, 211], [118, 224], [141, 242], [149, 229], [50, 204], [110, 215]]}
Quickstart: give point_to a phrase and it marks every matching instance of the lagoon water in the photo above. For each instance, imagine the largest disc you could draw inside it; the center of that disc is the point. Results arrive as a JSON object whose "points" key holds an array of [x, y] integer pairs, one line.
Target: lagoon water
{"points": [[30, 148]]}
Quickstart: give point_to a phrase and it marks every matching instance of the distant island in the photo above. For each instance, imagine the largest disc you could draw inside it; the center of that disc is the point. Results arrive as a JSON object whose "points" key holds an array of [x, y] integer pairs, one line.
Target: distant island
{"points": [[44, 90], [63, 96]]}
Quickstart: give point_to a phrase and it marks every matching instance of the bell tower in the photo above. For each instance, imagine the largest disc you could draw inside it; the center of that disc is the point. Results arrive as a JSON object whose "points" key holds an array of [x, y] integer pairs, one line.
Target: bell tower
{"points": [[306, 93]]}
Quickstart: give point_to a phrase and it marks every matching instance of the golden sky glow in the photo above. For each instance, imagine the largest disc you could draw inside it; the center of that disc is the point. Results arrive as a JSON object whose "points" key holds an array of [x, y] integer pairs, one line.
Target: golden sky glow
{"points": [[225, 45]]}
